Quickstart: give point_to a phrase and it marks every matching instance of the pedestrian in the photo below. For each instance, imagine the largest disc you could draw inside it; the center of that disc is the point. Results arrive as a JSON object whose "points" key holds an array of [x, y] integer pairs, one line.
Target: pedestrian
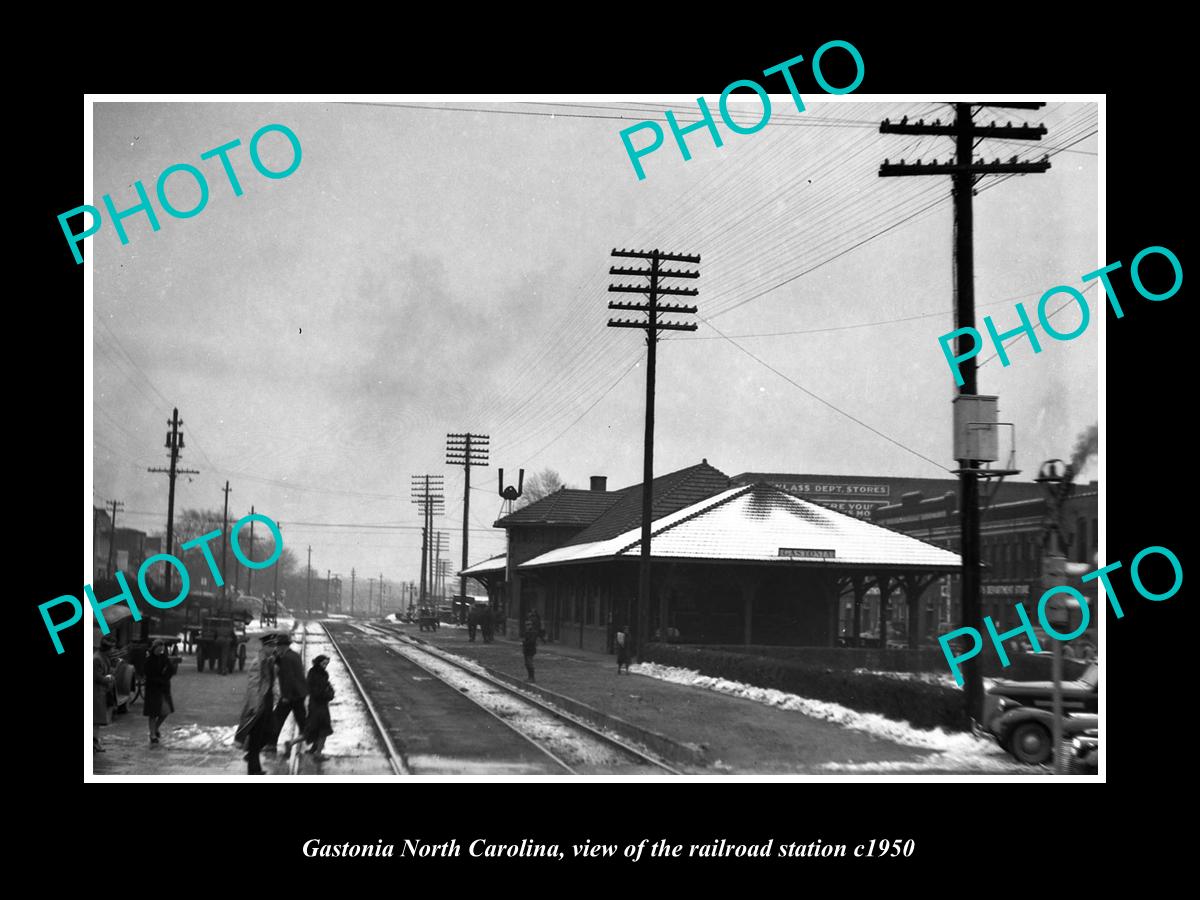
{"points": [[158, 703], [258, 715], [487, 622], [224, 648], [472, 622], [102, 680], [622, 640], [537, 624], [292, 690], [320, 692], [529, 645]]}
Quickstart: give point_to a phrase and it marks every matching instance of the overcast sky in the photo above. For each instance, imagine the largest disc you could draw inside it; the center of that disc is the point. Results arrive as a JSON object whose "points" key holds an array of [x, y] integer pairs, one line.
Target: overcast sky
{"points": [[432, 270]]}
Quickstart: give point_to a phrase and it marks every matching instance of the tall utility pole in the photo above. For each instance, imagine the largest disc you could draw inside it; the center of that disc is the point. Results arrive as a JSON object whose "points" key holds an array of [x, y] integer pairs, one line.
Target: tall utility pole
{"points": [[174, 444], [370, 593], [466, 450], [275, 592], [113, 506], [427, 494], [328, 573], [964, 172], [652, 326], [308, 586], [250, 555], [225, 542], [353, 575], [381, 595], [440, 546]]}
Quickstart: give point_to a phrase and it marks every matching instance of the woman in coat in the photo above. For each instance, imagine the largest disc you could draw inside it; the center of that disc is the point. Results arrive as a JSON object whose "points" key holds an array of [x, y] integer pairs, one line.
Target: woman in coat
{"points": [[158, 704], [102, 679], [320, 692]]}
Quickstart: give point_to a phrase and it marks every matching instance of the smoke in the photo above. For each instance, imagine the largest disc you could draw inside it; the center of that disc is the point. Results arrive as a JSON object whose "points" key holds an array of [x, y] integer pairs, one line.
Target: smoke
{"points": [[1086, 446]]}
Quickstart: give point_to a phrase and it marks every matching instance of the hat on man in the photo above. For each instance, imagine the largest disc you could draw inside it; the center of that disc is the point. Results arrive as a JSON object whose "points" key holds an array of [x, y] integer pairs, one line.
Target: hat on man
{"points": [[321, 658]]}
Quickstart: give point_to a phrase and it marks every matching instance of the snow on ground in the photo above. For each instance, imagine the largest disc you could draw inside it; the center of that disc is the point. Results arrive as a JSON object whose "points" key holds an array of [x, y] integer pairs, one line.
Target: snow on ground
{"points": [[943, 678], [353, 732], [952, 749]]}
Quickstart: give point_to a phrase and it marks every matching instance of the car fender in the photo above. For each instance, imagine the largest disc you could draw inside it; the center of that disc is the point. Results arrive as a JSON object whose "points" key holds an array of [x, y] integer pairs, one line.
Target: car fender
{"points": [[1072, 724]]}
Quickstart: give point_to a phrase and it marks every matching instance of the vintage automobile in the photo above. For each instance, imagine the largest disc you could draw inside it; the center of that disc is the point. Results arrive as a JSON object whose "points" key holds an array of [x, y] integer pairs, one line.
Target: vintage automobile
{"points": [[207, 641], [1019, 714], [1085, 753]]}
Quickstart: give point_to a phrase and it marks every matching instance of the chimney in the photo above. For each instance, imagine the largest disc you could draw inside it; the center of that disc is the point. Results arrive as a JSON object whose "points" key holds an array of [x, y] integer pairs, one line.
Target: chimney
{"points": [[600, 483]]}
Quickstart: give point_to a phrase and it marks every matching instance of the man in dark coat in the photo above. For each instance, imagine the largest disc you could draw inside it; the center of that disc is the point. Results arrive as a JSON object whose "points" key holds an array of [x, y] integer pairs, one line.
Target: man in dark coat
{"points": [[487, 622], [293, 688], [529, 645]]}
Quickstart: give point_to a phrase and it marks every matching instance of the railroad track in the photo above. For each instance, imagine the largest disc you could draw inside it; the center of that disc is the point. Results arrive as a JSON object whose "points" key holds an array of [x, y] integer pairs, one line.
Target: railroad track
{"points": [[497, 698], [394, 758]]}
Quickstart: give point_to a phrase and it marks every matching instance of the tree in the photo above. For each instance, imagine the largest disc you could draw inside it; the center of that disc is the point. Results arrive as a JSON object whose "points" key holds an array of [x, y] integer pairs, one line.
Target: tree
{"points": [[540, 485]]}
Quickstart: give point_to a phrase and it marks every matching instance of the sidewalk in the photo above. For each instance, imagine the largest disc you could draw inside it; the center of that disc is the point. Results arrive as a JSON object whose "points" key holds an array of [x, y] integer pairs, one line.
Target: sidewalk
{"points": [[198, 738], [732, 735]]}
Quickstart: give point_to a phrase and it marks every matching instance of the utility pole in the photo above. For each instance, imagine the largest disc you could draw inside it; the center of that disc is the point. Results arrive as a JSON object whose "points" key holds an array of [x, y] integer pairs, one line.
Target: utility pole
{"points": [[275, 592], [652, 326], [327, 574], [370, 593], [352, 577], [225, 543], [466, 450], [113, 506], [427, 494], [250, 556], [381, 595], [308, 586], [174, 444], [964, 172]]}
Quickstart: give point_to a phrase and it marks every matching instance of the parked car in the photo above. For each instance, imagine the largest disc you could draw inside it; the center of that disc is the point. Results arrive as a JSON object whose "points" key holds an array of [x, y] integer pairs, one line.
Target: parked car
{"points": [[1020, 714], [1085, 753]]}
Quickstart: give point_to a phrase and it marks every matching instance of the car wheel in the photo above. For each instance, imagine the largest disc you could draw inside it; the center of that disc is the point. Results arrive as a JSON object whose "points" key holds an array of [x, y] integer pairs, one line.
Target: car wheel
{"points": [[1030, 743]]}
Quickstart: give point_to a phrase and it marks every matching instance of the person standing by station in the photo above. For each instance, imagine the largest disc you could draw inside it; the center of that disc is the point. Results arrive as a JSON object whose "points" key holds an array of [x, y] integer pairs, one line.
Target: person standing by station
{"points": [[102, 680], [292, 689], [487, 622], [529, 645], [320, 693], [158, 703], [258, 715], [472, 622], [623, 648]]}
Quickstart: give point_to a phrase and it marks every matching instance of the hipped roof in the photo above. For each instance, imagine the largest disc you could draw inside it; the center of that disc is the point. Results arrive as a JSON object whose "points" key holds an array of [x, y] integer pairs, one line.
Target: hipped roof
{"points": [[759, 523]]}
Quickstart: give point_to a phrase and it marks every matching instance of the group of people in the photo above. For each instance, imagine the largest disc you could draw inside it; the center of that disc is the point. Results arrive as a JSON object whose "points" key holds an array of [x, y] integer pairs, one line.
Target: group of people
{"points": [[277, 688], [157, 702]]}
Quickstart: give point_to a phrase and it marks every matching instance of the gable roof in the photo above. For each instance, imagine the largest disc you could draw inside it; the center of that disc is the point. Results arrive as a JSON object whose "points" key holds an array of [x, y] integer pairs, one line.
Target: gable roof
{"points": [[756, 523], [566, 506], [672, 492]]}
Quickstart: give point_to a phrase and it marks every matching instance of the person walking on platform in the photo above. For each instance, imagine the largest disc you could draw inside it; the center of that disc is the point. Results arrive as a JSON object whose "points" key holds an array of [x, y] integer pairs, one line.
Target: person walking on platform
{"points": [[292, 690], [472, 622], [622, 640], [258, 714], [487, 623], [158, 703], [529, 645], [102, 679], [320, 693]]}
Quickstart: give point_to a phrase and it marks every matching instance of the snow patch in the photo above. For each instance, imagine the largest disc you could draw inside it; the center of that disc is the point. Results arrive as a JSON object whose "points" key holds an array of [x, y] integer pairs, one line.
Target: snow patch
{"points": [[958, 743]]}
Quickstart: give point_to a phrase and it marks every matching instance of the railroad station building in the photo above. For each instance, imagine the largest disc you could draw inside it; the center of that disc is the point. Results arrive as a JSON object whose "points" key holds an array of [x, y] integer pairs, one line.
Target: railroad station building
{"points": [[732, 563]]}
